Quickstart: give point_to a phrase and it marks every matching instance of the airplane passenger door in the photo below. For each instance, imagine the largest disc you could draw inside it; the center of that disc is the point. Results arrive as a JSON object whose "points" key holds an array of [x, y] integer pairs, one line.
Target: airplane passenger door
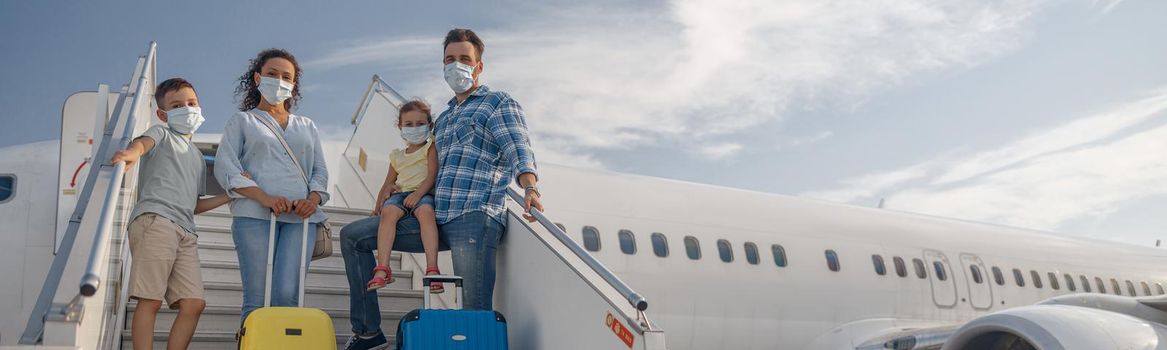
{"points": [[942, 280], [980, 295]]}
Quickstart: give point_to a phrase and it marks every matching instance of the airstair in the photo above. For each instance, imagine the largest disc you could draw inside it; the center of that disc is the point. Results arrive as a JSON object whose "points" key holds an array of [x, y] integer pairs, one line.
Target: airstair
{"points": [[554, 294]]}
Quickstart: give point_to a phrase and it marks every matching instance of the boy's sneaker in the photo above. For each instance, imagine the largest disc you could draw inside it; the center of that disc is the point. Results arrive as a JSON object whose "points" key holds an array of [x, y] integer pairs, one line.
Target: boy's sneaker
{"points": [[376, 342]]}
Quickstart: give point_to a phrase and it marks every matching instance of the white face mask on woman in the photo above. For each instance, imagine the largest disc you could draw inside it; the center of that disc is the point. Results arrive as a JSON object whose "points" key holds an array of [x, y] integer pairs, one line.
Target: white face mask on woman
{"points": [[459, 76], [275, 91], [184, 120], [415, 135]]}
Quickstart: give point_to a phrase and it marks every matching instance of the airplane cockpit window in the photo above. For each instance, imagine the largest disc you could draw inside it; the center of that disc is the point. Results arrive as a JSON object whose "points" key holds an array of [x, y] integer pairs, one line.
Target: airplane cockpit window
{"points": [[1101, 286], [998, 276], [1036, 279], [751, 253], [1018, 277], [7, 187], [1130, 288], [832, 260], [1114, 287], [976, 274], [561, 227], [627, 242], [1159, 288], [1085, 283], [779, 255], [1053, 281], [1070, 283], [724, 250], [692, 247], [591, 238], [877, 260], [901, 269], [921, 271], [1146, 288], [660, 245], [941, 274]]}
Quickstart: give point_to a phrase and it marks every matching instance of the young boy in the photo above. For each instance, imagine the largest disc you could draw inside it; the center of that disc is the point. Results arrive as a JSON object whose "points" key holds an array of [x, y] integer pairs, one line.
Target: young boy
{"points": [[162, 238]]}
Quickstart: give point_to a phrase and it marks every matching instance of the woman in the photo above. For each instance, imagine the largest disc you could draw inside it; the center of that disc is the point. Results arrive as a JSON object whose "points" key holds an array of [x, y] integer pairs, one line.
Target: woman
{"points": [[269, 92]]}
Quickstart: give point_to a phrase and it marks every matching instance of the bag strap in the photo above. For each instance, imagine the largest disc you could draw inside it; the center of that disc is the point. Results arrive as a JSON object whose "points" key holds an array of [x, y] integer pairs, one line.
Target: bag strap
{"points": [[288, 149]]}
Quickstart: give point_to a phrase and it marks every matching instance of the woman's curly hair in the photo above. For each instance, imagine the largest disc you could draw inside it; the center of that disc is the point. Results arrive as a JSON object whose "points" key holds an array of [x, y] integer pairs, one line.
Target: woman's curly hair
{"points": [[248, 92]]}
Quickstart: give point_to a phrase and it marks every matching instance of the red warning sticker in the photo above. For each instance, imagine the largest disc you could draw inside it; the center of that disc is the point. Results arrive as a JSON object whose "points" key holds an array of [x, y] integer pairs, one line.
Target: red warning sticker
{"points": [[618, 328]]}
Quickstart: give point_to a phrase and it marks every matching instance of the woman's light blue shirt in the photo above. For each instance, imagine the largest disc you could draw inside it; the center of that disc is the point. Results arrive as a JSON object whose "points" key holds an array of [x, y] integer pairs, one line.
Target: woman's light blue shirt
{"points": [[248, 145]]}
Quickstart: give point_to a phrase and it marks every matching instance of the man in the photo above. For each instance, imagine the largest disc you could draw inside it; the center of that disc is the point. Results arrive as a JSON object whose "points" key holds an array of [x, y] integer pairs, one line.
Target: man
{"points": [[482, 145]]}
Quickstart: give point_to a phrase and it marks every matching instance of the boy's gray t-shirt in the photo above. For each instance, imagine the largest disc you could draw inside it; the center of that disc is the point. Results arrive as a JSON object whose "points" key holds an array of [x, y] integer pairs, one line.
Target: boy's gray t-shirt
{"points": [[170, 177]]}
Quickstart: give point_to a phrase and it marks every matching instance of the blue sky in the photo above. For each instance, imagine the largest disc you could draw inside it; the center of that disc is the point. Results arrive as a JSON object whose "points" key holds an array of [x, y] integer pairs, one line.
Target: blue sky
{"points": [[1040, 114]]}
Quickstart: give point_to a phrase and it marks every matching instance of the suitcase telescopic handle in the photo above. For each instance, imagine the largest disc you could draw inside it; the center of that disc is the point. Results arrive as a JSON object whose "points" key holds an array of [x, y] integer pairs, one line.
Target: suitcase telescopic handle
{"points": [[425, 283]]}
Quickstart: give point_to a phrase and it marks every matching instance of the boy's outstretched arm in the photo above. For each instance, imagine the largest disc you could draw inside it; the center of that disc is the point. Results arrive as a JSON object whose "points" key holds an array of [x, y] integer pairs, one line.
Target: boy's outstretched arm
{"points": [[209, 203], [133, 152]]}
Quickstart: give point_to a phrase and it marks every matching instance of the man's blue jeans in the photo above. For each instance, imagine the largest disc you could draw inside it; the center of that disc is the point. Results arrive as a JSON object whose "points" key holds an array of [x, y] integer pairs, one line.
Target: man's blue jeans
{"points": [[474, 238]]}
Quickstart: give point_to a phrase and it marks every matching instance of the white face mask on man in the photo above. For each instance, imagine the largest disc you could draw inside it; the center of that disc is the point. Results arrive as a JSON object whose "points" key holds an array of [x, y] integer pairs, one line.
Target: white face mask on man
{"points": [[275, 91], [459, 76], [184, 120]]}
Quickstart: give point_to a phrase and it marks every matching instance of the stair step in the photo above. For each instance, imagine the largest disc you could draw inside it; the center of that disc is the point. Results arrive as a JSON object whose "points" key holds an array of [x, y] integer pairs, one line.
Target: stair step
{"points": [[218, 251], [225, 318], [225, 340], [324, 297], [318, 276]]}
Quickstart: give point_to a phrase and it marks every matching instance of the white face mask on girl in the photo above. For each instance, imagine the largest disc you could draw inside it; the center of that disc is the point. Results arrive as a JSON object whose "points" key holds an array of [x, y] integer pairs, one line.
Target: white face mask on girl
{"points": [[275, 91], [415, 135], [184, 120], [459, 76]]}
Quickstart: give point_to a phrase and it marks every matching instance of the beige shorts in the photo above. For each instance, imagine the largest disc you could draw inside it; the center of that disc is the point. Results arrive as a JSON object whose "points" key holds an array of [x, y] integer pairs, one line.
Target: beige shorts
{"points": [[165, 261]]}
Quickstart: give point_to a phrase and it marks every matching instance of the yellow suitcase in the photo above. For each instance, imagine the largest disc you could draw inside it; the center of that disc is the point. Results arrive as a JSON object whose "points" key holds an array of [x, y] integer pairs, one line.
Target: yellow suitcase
{"points": [[285, 327]]}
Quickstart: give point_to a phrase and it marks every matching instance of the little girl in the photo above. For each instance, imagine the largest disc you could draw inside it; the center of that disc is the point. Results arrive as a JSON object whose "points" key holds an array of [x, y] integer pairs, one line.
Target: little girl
{"points": [[406, 192]]}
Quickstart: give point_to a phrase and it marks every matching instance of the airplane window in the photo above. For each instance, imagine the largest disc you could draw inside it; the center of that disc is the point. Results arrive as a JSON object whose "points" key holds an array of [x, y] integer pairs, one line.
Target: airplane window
{"points": [[1130, 288], [7, 187], [724, 250], [1159, 288], [877, 260], [976, 274], [1036, 279], [940, 273], [1114, 287], [1070, 283], [591, 238], [627, 242], [1101, 286], [692, 247], [1020, 279], [832, 260], [779, 254], [660, 245], [921, 271], [1085, 283], [1146, 288], [751, 253], [901, 269], [998, 276], [1053, 281], [561, 227]]}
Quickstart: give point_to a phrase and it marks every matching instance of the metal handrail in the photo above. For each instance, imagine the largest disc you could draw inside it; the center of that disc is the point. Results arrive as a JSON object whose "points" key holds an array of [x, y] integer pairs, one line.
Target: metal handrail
{"points": [[638, 301]]}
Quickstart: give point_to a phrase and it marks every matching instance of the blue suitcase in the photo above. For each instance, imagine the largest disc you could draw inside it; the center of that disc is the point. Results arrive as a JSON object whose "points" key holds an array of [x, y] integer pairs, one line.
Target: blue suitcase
{"points": [[450, 329]]}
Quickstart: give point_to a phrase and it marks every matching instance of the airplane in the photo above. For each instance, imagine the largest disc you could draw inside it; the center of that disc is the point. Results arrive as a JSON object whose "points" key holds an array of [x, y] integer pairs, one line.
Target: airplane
{"points": [[618, 261]]}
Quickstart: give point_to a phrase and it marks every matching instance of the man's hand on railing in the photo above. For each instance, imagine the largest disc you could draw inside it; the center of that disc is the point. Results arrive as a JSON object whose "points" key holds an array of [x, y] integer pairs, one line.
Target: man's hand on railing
{"points": [[531, 200]]}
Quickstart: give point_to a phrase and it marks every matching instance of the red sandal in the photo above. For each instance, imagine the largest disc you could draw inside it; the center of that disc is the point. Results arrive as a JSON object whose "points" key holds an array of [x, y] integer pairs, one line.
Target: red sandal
{"points": [[435, 287], [378, 282]]}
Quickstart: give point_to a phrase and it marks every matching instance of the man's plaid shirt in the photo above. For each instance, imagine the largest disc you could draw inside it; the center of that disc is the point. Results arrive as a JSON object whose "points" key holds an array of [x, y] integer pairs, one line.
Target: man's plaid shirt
{"points": [[482, 146]]}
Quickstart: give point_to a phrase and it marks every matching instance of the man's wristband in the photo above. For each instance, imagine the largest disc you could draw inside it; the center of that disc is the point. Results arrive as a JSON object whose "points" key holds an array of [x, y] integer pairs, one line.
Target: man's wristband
{"points": [[530, 189]]}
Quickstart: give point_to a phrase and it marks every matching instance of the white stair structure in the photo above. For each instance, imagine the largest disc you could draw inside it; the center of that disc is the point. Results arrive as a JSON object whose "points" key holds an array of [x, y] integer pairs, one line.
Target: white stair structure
{"points": [[554, 294]]}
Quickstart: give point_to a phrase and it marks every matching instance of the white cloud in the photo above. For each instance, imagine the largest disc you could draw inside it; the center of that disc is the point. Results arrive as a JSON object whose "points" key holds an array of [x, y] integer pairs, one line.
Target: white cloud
{"points": [[597, 77], [1087, 168], [720, 150]]}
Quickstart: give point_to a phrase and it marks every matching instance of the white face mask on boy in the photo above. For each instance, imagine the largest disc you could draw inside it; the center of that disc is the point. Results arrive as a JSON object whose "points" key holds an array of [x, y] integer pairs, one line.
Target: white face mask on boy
{"points": [[275, 91], [184, 120], [415, 135]]}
